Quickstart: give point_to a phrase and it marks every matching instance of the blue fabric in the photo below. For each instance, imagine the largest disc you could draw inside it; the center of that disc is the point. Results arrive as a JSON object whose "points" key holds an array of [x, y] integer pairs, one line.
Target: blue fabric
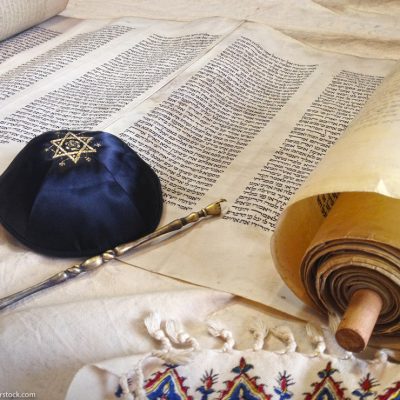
{"points": [[66, 207]]}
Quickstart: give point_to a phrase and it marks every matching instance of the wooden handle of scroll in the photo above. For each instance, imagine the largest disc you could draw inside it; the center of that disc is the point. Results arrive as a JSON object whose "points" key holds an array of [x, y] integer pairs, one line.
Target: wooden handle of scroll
{"points": [[359, 320]]}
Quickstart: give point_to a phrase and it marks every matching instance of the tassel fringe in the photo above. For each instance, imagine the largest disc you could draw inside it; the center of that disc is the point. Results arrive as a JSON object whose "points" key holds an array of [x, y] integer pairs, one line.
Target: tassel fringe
{"points": [[173, 333]]}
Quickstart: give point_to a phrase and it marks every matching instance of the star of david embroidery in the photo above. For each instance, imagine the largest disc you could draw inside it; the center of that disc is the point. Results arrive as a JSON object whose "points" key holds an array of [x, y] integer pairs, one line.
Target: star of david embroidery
{"points": [[73, 147]]}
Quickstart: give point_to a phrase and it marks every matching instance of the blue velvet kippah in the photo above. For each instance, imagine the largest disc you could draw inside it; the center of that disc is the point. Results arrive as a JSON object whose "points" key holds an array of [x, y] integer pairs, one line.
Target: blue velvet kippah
{"points": [[78, 193]]}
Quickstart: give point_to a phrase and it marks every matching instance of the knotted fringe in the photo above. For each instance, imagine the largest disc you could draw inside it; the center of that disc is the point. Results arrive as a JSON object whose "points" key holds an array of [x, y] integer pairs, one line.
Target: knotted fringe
{"points": [[176, 333], [217, 330], [124, 383], [153, 325], [132, 383], [168, 353], [285, 335], [381, 357], [316, 339], [260, 331]]}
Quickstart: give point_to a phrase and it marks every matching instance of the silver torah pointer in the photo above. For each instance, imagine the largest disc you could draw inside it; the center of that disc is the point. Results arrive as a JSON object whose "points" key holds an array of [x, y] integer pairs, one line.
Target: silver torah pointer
{"points": [[95, 262]]}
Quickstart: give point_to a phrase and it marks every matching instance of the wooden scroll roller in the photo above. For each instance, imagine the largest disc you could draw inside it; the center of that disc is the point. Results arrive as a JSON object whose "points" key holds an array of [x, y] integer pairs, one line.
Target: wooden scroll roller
{"points": [[359, 320], [355, 256], [345, 262]]}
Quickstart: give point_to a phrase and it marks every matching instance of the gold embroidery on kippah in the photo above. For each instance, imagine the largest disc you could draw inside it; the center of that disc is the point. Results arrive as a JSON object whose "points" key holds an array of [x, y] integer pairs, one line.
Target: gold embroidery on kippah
{"points": [[72, 146]]}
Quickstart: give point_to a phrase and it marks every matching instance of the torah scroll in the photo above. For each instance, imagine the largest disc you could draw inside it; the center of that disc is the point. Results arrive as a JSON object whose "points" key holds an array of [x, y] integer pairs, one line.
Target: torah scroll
{"points": [[341, 232], [357, 246]]}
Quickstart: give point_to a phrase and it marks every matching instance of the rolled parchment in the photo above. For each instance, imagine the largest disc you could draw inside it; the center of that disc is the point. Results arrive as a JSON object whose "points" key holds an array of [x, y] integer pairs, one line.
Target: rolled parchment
{"points": [[348, 258], [337, 244]]}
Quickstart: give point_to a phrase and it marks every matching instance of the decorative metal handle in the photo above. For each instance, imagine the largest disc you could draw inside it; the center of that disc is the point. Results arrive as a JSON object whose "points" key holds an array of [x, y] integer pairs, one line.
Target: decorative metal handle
{"points": [[95, 262]]}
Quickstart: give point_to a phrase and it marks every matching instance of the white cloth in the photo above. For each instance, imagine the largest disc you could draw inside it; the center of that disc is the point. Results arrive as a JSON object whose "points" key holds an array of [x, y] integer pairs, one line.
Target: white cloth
{"points": [[182, 369]]}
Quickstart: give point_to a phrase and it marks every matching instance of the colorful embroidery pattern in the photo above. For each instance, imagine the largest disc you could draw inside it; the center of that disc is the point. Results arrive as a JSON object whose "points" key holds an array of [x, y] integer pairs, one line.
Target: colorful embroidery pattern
{"points": [[366, 384], [282, 390], [209, 379], [393, 393], [328, 388], [244, 387], [168, 384]]}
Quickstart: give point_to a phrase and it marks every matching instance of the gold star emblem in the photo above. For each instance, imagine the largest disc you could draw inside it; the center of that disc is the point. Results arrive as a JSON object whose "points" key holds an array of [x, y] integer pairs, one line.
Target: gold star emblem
{"points": [[72, 146]]}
